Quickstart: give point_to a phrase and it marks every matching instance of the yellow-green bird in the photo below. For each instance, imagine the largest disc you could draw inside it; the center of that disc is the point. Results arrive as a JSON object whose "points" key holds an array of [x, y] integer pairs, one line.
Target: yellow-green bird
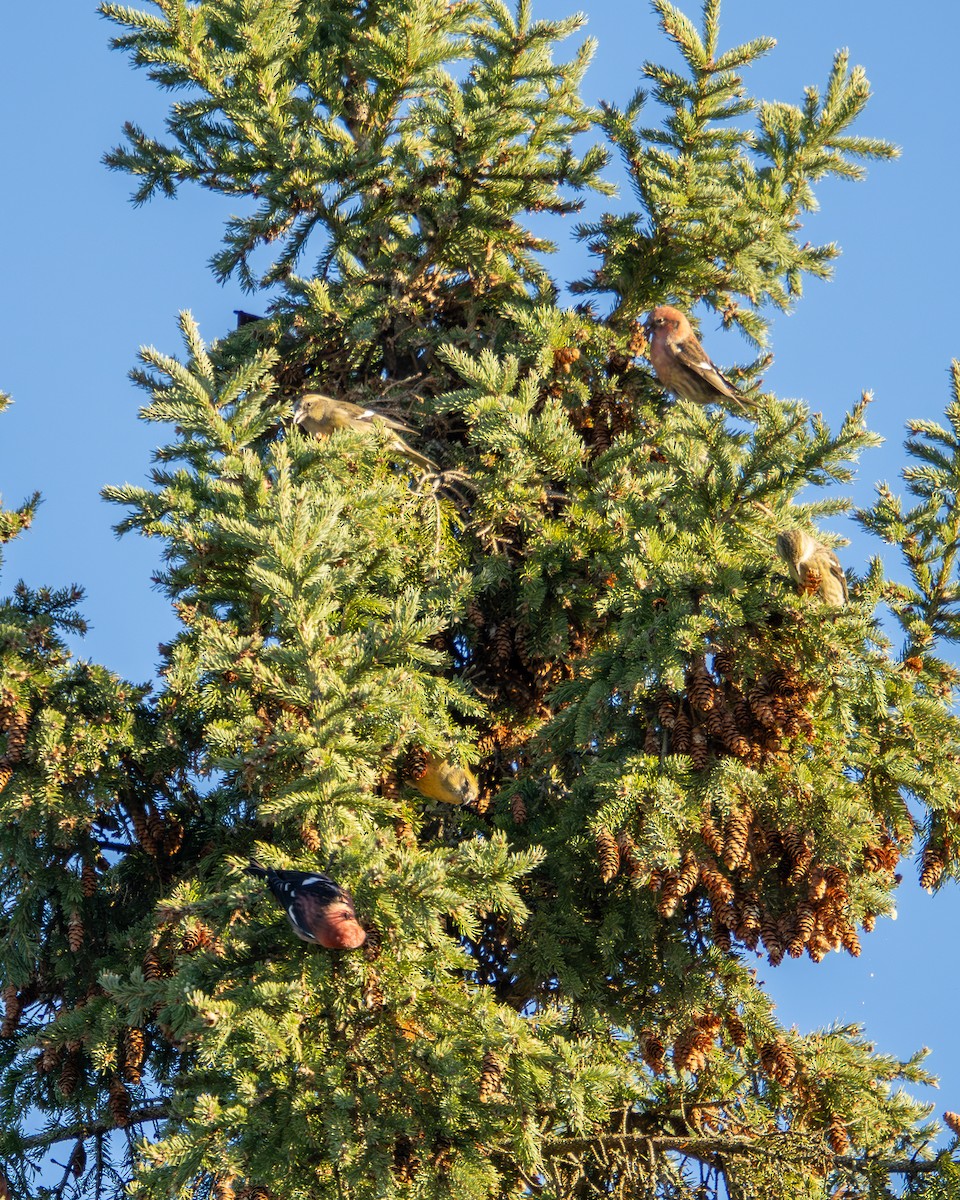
{"points": [[445, 781], [322, 415], [813, 566]]}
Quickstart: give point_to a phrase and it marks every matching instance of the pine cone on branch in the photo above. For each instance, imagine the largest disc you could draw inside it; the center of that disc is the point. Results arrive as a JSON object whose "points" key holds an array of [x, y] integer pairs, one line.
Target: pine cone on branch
{"points": [[75, 931], [609, 854], [652, 1051], [152, 967], [778, 1062], [133, 1053], [118, 1101], [223, 1188], [70, 1073], [736, 1029], [735, 839], [491, 1075], [932, 866], [13, 1007], [88, 879], [837, 1135], [682, 740]]}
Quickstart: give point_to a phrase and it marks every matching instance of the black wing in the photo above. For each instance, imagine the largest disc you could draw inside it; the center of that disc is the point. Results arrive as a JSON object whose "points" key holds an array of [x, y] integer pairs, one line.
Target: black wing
{"points": [[691, 355]]}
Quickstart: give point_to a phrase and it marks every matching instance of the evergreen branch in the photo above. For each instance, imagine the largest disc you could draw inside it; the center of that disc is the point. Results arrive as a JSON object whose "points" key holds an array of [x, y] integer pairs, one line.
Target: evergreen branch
{"points": [[157, 1111], [770, 1146]]}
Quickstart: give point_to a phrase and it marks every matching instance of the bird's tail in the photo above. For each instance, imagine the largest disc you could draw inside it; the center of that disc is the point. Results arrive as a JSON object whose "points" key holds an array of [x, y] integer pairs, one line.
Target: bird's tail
{"points": [[747, 404], [426, 464], [253, 869]]}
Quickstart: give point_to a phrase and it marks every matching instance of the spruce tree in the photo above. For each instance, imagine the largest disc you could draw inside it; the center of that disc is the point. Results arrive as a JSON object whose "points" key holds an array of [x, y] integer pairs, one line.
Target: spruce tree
{"points": [[681, 760]]}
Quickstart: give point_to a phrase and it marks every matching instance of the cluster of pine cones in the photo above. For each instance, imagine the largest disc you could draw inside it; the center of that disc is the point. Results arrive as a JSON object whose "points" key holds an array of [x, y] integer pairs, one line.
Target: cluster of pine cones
{"points": [[715, 717], [726, 868]]}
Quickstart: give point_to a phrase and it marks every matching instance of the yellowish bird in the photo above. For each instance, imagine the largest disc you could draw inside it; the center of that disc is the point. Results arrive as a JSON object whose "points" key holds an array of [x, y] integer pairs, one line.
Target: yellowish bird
{"points": [[447, 782], [813, 566], [322, 415]]}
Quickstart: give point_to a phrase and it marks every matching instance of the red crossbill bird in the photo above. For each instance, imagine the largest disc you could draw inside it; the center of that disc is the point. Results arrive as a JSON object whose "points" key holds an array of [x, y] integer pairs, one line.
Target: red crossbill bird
{"points": [[317, 907], [446, 782], [682, 365], [322, 415], [813, 566]]}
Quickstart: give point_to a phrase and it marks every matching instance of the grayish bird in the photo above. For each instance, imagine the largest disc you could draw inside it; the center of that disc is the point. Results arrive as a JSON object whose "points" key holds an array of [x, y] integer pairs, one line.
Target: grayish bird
{"points": [[813, 566], [322, 415]]}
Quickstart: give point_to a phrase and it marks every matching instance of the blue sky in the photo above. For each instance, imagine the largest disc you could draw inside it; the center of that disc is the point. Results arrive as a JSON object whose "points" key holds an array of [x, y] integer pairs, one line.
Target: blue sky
{"points": [[87, 278]]}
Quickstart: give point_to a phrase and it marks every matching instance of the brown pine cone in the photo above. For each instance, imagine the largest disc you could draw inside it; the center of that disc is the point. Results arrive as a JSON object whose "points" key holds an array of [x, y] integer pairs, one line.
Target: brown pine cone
{"points": [[629, 859], [223, 1188], [491, 1075], [502, 644], [837, 1135], [712, 837], [721, 934], [669, 900], [70, 1074], [75, 931], [133, 1052], [689, 1052], [152, 967], [699, 749], [850, 941], [415, 762], [797, 847], [778, 1062], [156, 831], [702, 691], [932, 866], [652, 1051], [667, 711], [724, 663], [141, 827], [88, 879], [173, 836], [609, 854], [736, 1029], [719, 888], [118, 1102], [735, 840], [682, 739], [13, 1005], [689, 874]]}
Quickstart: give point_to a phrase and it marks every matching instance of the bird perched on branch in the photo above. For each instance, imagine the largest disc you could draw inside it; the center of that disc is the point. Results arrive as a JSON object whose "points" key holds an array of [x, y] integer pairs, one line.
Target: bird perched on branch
{"points": [[682, 365], [245, 318], [444, 781], [317, 907], [322, 415], [813, 566]]}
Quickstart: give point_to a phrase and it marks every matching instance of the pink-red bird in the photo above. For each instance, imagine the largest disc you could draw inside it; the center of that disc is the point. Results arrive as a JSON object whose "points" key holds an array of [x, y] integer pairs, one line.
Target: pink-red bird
{"points": [[317, 907], [681, 364]]}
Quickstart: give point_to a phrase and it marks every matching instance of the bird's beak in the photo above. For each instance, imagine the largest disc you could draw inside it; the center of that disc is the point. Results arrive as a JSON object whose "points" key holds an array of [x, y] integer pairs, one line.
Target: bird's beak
{"points": [[299, 416]]}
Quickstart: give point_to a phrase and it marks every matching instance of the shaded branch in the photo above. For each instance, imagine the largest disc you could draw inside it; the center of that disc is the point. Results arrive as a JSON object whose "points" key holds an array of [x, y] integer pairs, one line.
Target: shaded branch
{"points": [[87, 1129], [769, 1146]]}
